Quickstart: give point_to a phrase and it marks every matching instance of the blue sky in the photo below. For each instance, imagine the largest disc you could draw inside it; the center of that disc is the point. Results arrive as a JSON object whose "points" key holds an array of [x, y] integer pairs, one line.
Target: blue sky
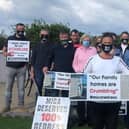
{"points": [[89, 16]]}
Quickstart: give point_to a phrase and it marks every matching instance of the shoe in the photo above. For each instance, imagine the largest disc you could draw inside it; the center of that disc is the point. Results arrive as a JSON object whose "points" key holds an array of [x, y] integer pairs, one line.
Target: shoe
{"points": [[5, 109]]}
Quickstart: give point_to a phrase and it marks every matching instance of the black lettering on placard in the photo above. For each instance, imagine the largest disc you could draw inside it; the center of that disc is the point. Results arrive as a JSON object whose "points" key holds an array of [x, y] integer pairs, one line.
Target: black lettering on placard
{"points": [[48, 126], [53, 101]]}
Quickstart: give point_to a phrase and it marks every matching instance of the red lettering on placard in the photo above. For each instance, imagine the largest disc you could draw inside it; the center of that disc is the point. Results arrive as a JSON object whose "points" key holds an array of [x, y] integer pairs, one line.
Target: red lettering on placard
{"points": [[49, 117]]}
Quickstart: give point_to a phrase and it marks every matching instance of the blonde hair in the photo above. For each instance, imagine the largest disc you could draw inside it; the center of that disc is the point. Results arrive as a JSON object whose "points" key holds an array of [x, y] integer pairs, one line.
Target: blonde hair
{"points": [[83, 37]]}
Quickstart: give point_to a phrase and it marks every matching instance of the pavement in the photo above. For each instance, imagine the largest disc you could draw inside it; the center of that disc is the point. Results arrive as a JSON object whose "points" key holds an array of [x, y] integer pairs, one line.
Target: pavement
{"points": [[29, 106], [29, 100]]}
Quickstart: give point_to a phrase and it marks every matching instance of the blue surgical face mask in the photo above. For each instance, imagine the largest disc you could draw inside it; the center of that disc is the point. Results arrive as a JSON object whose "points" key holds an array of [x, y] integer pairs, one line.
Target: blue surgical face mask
{"points": [[86, 43]]}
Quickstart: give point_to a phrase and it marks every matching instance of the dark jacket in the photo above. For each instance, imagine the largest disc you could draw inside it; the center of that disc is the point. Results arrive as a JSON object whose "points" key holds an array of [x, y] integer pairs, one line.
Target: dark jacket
{"points": [[124, 56], [62, 57], [40, 54]]}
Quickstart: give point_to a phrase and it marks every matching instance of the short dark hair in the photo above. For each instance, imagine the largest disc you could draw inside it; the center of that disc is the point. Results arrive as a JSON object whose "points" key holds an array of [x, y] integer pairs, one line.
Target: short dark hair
{"points": [[107, 34], [64, 32], [20, 24], [74, 30], [124, 32]]}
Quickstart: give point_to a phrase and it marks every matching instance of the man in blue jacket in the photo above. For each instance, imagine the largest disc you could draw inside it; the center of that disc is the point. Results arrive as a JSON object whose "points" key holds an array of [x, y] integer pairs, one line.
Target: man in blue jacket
{"points": [[123, 52]]}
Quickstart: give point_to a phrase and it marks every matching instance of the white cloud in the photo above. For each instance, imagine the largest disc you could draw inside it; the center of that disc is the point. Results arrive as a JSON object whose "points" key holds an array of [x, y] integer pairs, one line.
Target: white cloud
{"points": [[93, 16], [6, 5]]}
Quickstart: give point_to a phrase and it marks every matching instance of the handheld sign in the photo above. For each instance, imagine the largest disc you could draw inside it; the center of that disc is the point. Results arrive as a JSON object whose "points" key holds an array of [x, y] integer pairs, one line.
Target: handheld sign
{"points": [[103, 87], [51, 113], [62, 80], [18, 51]]}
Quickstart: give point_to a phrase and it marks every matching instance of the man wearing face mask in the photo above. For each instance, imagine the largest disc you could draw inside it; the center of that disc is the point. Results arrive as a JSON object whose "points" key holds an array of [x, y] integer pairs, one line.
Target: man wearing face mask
{"points": [[105, 113], [123, 52], [62, 56], [39, 57], [82, 54], [15, 69]]}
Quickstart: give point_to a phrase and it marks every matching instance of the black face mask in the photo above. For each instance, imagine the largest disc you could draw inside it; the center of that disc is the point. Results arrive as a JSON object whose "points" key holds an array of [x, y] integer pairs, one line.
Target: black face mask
{"points": [[106, 48], [44, 38], [20, 33], [124, 41], [64, 42]]}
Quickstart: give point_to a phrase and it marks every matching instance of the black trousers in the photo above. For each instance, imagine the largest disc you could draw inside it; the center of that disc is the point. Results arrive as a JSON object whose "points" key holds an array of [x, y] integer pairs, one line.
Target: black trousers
{"points": [[104, 115], [81, 111]]}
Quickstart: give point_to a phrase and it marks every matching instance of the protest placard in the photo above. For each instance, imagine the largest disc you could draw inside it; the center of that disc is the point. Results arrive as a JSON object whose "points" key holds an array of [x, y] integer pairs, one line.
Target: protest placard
{"points": [[18, 51], [103, 87], [88, 87], [51, 113], [62, 80]]}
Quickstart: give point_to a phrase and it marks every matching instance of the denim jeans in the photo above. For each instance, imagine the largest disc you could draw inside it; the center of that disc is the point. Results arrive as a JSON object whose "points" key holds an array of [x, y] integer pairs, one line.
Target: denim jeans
{"points": [[20, 74], [39, 77]]}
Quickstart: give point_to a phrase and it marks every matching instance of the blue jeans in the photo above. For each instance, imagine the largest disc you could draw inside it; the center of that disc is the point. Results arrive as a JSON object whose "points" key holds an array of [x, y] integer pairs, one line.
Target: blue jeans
{"points": [[20, 74], [39, 77]]}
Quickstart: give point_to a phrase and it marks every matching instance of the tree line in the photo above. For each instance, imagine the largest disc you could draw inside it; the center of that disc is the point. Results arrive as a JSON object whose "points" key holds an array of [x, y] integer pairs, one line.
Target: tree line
{"points": [[32, 32]]}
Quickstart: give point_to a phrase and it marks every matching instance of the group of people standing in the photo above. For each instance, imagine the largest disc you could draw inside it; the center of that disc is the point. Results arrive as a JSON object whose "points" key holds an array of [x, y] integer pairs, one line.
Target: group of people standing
{"points": [[71, 54]]}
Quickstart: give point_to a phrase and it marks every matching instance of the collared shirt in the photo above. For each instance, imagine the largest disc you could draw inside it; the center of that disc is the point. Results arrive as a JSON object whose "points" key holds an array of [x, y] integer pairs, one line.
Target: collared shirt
{"points": [[81, 57]]}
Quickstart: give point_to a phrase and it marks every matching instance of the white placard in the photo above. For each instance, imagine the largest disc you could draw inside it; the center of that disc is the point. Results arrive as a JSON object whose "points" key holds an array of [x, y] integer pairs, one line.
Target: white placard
{"points": [[62, 80], [103, 87], [51, 113], [18, 51]]}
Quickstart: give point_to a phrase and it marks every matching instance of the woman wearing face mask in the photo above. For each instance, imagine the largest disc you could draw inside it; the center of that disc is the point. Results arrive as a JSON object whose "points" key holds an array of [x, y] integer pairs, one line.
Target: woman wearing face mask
{"points": [[104, 114], [82, 54]]}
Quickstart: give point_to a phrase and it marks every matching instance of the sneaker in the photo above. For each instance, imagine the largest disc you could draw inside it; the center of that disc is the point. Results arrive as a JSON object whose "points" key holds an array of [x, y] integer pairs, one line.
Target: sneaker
{"points": [[5, 109]]}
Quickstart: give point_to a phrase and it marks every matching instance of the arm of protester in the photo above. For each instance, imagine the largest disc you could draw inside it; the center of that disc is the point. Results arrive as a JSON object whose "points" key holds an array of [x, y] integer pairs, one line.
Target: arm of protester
{"points": [[124, 69], [75, 64], [32, 72], [88, 66], [5, 51]]}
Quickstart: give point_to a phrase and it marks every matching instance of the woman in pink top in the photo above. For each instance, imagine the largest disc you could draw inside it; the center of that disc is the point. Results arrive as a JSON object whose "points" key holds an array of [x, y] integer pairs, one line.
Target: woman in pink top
{"points": [[83, 53]]}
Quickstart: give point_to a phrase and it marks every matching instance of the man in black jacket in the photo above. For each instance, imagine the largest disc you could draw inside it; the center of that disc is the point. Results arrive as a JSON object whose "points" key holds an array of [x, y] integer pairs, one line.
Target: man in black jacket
{"points": [[62, 56], [38, 60]]}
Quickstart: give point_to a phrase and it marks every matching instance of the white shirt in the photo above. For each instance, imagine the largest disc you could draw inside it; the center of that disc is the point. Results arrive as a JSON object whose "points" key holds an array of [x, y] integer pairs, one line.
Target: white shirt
{"points": [[123, 47], [98, 65]]}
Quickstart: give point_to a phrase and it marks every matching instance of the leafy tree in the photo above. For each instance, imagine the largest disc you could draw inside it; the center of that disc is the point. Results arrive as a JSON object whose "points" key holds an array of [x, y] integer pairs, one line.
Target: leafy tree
{"points": [[33, 30]]}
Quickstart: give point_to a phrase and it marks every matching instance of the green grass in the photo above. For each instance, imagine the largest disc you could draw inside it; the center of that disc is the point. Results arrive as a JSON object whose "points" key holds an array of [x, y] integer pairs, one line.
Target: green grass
{"points": [[21, 123], [26, 123], [15, 123]]}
